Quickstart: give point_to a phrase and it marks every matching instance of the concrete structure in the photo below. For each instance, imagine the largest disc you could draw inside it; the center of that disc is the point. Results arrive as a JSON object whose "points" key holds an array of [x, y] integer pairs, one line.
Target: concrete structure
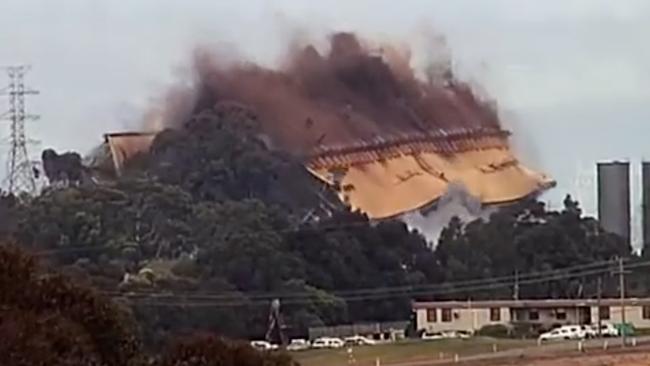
{"points": [[543, 314], [645, 186], [614, 198]]}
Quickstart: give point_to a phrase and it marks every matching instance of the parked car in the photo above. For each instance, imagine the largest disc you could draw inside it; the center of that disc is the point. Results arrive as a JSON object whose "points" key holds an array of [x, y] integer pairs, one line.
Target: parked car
{"points": [[459, 334], [564, 333], [606, 330], [298, 345], [327, 342], [589, 331], [426, 336], [263, 345], [446, 334], [358, 340]]}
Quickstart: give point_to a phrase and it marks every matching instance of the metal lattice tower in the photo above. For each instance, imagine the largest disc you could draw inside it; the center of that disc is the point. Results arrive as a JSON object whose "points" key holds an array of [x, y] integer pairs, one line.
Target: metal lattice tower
{"points": [[21, 174]]}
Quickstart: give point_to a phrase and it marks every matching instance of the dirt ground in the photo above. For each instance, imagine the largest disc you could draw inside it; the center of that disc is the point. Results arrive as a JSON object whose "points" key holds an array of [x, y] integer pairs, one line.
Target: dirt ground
{"points": [[619, 359]]}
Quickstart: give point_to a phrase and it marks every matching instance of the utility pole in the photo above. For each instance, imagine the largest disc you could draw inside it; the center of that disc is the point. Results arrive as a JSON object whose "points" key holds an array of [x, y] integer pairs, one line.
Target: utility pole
{"points": [[600, 295], [276, 324], [515, 294], [621, 284], [21, 175]]}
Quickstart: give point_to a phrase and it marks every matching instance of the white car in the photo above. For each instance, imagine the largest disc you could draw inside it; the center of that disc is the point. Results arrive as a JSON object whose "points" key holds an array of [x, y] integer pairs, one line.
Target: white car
{"points": [[606, 330], [426, 336], [358, 340], [327, 342], [298, 345], [447, 334], [456, 334], [263, 345], [565, 332]]}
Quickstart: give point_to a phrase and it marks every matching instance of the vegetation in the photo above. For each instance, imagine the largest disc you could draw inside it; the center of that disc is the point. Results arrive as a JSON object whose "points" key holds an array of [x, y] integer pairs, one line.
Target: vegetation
{"points": [[494, 331], [206, 350], [46, 320], [526, 238], [214, 222]]}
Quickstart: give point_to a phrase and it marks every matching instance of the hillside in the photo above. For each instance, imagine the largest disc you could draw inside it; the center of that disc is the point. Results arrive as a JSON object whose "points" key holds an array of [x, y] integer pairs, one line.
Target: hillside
{"points": [[188, 256]]}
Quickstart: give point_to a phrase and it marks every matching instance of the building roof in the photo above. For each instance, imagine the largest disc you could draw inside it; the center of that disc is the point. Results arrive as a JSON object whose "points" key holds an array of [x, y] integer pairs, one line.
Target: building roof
{"points": [[125, 145], [387, 179], [547, 303], [409, 181]]}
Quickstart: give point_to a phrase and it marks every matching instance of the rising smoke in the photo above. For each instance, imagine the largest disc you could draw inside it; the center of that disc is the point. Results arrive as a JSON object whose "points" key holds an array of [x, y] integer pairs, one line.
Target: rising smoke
{"points": [[455, 202], [351, 91]]}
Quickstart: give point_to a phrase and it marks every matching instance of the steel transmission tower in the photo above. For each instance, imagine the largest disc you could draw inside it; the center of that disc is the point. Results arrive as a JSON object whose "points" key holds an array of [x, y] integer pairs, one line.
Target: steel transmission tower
{"points": [[21, 173]]}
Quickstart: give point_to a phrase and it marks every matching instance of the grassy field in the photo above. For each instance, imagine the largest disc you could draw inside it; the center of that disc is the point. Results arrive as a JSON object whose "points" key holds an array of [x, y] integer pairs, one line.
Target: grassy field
{"points": [[406, 351]]}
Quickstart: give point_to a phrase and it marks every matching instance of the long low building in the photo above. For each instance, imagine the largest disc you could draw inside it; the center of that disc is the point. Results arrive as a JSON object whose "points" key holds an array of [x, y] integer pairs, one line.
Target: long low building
{"points": [[471, 316]]}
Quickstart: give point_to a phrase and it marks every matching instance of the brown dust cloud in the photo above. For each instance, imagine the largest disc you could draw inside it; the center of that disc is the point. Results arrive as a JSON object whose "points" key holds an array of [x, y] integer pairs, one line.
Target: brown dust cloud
{"points": [[347, 94]]}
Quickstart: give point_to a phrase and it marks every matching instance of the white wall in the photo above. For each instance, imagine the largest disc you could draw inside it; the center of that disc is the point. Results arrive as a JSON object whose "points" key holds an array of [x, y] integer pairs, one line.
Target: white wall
{"points": [[467, 319], [633, 314]]}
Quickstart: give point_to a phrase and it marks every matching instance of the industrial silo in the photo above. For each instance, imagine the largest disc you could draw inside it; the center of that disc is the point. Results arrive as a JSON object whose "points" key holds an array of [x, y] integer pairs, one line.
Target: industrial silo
{"points": [[645, 186], [614, 198]]}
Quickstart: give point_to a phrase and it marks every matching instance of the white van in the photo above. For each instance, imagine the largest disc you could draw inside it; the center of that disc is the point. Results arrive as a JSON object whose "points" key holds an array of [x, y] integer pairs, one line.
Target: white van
{"points": [[564, 332], [606, 330], [327, 342], [358, 340], [263, 345], [298, 345]]}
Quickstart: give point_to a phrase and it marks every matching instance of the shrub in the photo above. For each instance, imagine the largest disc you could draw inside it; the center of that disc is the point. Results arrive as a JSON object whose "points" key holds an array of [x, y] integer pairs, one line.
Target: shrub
{"points": [[208, 350], [494, 331]]}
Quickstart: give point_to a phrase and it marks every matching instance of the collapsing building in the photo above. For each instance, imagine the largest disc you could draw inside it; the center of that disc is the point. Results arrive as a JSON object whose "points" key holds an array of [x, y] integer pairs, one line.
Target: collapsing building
{"points": [[388, 142], [390, 178]]}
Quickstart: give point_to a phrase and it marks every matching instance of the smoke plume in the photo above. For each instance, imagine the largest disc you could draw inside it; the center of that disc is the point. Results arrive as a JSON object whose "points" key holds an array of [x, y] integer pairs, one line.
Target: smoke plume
{"points": [[350, 92], [456, 201]]}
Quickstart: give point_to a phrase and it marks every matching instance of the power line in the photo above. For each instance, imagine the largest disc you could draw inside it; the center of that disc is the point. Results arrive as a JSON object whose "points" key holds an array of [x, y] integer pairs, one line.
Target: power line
{"points": [[507, 280], [21, 170], [307, 298]]}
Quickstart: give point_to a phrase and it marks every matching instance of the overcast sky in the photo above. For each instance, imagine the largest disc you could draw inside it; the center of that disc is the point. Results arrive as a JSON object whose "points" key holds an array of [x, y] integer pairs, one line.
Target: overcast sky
{"points": [[571, 76]]}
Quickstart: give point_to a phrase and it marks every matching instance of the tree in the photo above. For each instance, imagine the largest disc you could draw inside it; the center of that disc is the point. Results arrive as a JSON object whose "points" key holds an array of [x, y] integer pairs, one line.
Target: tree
{"points": [[47, 320], [218, 155], [9, 211], [526, 238]]}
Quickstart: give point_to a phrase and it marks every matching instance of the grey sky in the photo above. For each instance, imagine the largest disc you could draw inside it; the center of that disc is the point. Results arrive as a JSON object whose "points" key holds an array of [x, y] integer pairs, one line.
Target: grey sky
{"points": [[571, 76]]}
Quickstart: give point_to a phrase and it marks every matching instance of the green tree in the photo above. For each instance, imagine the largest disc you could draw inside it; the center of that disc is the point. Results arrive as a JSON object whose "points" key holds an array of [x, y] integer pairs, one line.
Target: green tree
{"points": [[45, 319]]}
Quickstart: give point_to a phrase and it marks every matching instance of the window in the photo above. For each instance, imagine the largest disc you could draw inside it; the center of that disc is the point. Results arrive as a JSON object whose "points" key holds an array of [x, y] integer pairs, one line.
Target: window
{"points": [[446, 315], [495, 314], [646, 312], [432, 315], [560, 314], [533, 315], [603, 312]]}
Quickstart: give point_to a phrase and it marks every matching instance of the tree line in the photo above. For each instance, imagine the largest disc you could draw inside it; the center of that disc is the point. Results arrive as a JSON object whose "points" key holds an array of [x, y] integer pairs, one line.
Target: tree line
{"points": [[213, 210]]}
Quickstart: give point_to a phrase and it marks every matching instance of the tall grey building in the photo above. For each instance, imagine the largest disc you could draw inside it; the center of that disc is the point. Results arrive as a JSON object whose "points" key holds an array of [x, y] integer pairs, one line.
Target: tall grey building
{"points": [[614, 198]]}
